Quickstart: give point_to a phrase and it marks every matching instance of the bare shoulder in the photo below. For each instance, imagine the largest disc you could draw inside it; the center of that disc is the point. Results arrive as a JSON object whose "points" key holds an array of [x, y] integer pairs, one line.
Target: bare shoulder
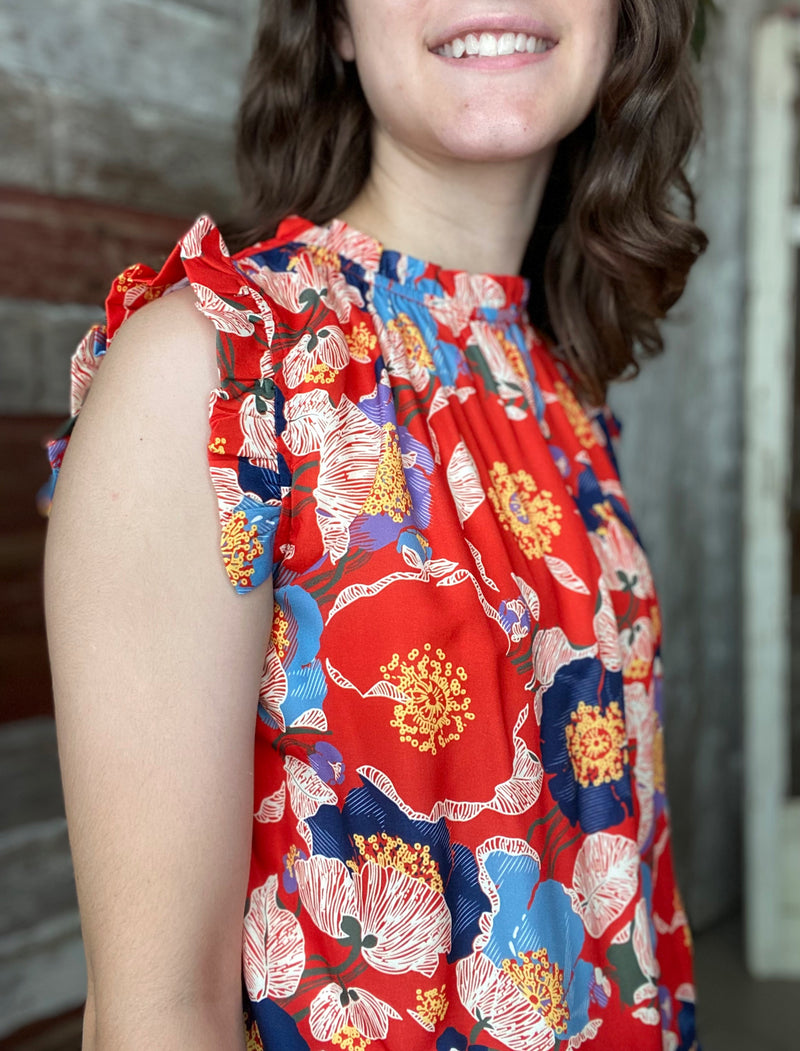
{"points": [[146, 411], [136, 469], [166, 349]]}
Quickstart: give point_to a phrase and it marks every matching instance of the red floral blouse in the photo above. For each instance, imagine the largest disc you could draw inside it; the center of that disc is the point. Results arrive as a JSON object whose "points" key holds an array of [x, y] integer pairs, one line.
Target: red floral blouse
{"points": [[460, 836]]}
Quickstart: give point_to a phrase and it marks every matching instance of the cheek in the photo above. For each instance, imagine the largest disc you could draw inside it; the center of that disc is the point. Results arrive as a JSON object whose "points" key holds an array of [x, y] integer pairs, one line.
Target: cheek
{"points": [[385, 87], [595, 27]]}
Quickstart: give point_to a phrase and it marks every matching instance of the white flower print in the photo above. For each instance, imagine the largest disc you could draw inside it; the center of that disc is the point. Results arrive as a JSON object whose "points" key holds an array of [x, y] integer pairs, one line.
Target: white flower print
{"points": [[334, 1009], [273, 950], [407, 917]]}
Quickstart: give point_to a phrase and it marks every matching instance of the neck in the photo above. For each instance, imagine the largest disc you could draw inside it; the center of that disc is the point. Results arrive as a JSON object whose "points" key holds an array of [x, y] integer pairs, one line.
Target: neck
{"points": [[474, 216]]}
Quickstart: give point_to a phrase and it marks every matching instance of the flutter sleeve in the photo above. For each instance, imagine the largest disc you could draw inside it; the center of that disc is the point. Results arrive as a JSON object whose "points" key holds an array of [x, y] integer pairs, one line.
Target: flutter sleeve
{"points": [[250, 476]]}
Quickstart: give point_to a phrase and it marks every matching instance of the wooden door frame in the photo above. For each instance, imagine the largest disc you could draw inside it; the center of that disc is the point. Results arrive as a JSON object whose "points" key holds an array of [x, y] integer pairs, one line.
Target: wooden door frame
{"points": [[772, 817]]}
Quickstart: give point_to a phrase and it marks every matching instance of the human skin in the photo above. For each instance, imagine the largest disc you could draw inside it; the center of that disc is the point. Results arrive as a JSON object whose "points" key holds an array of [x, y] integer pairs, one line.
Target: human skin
{"points": [[156, 661], [462, 149], [156, 664]]}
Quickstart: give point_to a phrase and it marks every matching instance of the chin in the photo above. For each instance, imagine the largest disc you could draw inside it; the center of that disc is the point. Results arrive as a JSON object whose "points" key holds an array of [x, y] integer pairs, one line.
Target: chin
{"points": [[491, 142]]}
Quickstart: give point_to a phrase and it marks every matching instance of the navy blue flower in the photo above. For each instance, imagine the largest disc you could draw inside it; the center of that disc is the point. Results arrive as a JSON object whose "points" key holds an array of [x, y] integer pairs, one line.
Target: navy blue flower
{"points": [[585, 746], [685, 1017], [590, 496], [277, 1028], [452, 1040], [687, 1028]]}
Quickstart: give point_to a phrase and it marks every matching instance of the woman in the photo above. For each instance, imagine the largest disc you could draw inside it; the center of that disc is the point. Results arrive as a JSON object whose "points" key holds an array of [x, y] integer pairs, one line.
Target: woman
{"points": [[460, 835]]}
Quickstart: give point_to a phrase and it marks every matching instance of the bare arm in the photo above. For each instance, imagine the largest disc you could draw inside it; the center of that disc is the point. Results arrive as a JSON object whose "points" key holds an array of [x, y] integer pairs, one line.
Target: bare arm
{"points": [[156, 662]]}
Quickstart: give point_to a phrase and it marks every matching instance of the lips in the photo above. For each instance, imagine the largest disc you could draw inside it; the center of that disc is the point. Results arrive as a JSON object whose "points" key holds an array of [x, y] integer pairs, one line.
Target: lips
{"points": [[498, 27]]}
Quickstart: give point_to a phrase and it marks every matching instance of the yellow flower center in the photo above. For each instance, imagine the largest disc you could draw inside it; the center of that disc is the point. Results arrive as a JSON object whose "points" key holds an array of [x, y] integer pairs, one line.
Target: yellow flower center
{"points": [[542, 985], [576, 415], [280, 631], [637, 668], [323, 257], [512, 353], [252, 1036], [432, 1005], [218, 444], [412, 339], [605, 512], [597, 744], [138, 275], [291, 857], [436, 705], [389, 494], [361, 342], [524, 509], [320, 373], [393, 852], [349, 1039], [240, 548]]}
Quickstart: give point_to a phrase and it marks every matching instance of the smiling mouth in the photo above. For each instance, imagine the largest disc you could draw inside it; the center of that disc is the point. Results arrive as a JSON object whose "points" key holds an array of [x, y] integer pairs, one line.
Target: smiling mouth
{"points": [[494, 45]]}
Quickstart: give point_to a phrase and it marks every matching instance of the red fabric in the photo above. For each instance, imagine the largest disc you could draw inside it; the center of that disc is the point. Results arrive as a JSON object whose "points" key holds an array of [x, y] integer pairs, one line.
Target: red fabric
{"points": [[461, 835]]}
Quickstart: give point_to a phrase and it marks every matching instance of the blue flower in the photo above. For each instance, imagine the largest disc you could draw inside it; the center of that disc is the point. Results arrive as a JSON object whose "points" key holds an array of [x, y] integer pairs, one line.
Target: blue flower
{"points": [[534, 942], [390, 304], [415, 542], [584, 745], [296, 631]]}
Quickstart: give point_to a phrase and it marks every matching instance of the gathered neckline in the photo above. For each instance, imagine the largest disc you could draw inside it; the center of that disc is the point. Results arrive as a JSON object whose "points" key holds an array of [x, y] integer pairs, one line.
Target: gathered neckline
{"points": [[494, 295]]}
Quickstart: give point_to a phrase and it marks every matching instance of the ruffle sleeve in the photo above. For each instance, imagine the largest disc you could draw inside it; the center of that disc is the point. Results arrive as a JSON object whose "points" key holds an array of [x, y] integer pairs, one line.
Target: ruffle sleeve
{"points": [[250, 475]]}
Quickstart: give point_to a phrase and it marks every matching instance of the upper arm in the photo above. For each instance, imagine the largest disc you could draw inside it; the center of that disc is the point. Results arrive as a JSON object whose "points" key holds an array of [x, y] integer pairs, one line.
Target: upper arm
{"points": [[156, 662]]}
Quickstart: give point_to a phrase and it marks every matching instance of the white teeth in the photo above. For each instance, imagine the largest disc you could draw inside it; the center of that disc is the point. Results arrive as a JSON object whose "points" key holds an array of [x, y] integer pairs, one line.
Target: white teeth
{"points": [[487, 45], [490, 45], [507, 43]]}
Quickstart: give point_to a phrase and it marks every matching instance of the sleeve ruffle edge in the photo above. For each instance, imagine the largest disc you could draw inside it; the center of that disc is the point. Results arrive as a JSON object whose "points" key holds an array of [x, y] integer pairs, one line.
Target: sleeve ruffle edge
{"points": [[249, 475]]}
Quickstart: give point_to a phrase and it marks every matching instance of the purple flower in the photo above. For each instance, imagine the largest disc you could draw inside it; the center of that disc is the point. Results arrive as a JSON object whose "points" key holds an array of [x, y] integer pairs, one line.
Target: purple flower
{"points": [[328, 763], [290, 859], [515, 618]]}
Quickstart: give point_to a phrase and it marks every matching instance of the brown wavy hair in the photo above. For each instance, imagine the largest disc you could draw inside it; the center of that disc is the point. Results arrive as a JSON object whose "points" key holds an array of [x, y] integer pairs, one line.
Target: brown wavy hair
{"points": [[616, 236]]}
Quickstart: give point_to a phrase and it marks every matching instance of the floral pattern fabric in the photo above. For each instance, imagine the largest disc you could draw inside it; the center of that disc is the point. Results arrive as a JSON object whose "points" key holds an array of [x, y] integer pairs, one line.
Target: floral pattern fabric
{"points": [[461, 836]]}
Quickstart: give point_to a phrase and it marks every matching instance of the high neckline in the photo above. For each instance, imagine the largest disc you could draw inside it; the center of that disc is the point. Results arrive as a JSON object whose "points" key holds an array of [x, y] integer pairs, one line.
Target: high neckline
{"points": [[492, 294]]}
